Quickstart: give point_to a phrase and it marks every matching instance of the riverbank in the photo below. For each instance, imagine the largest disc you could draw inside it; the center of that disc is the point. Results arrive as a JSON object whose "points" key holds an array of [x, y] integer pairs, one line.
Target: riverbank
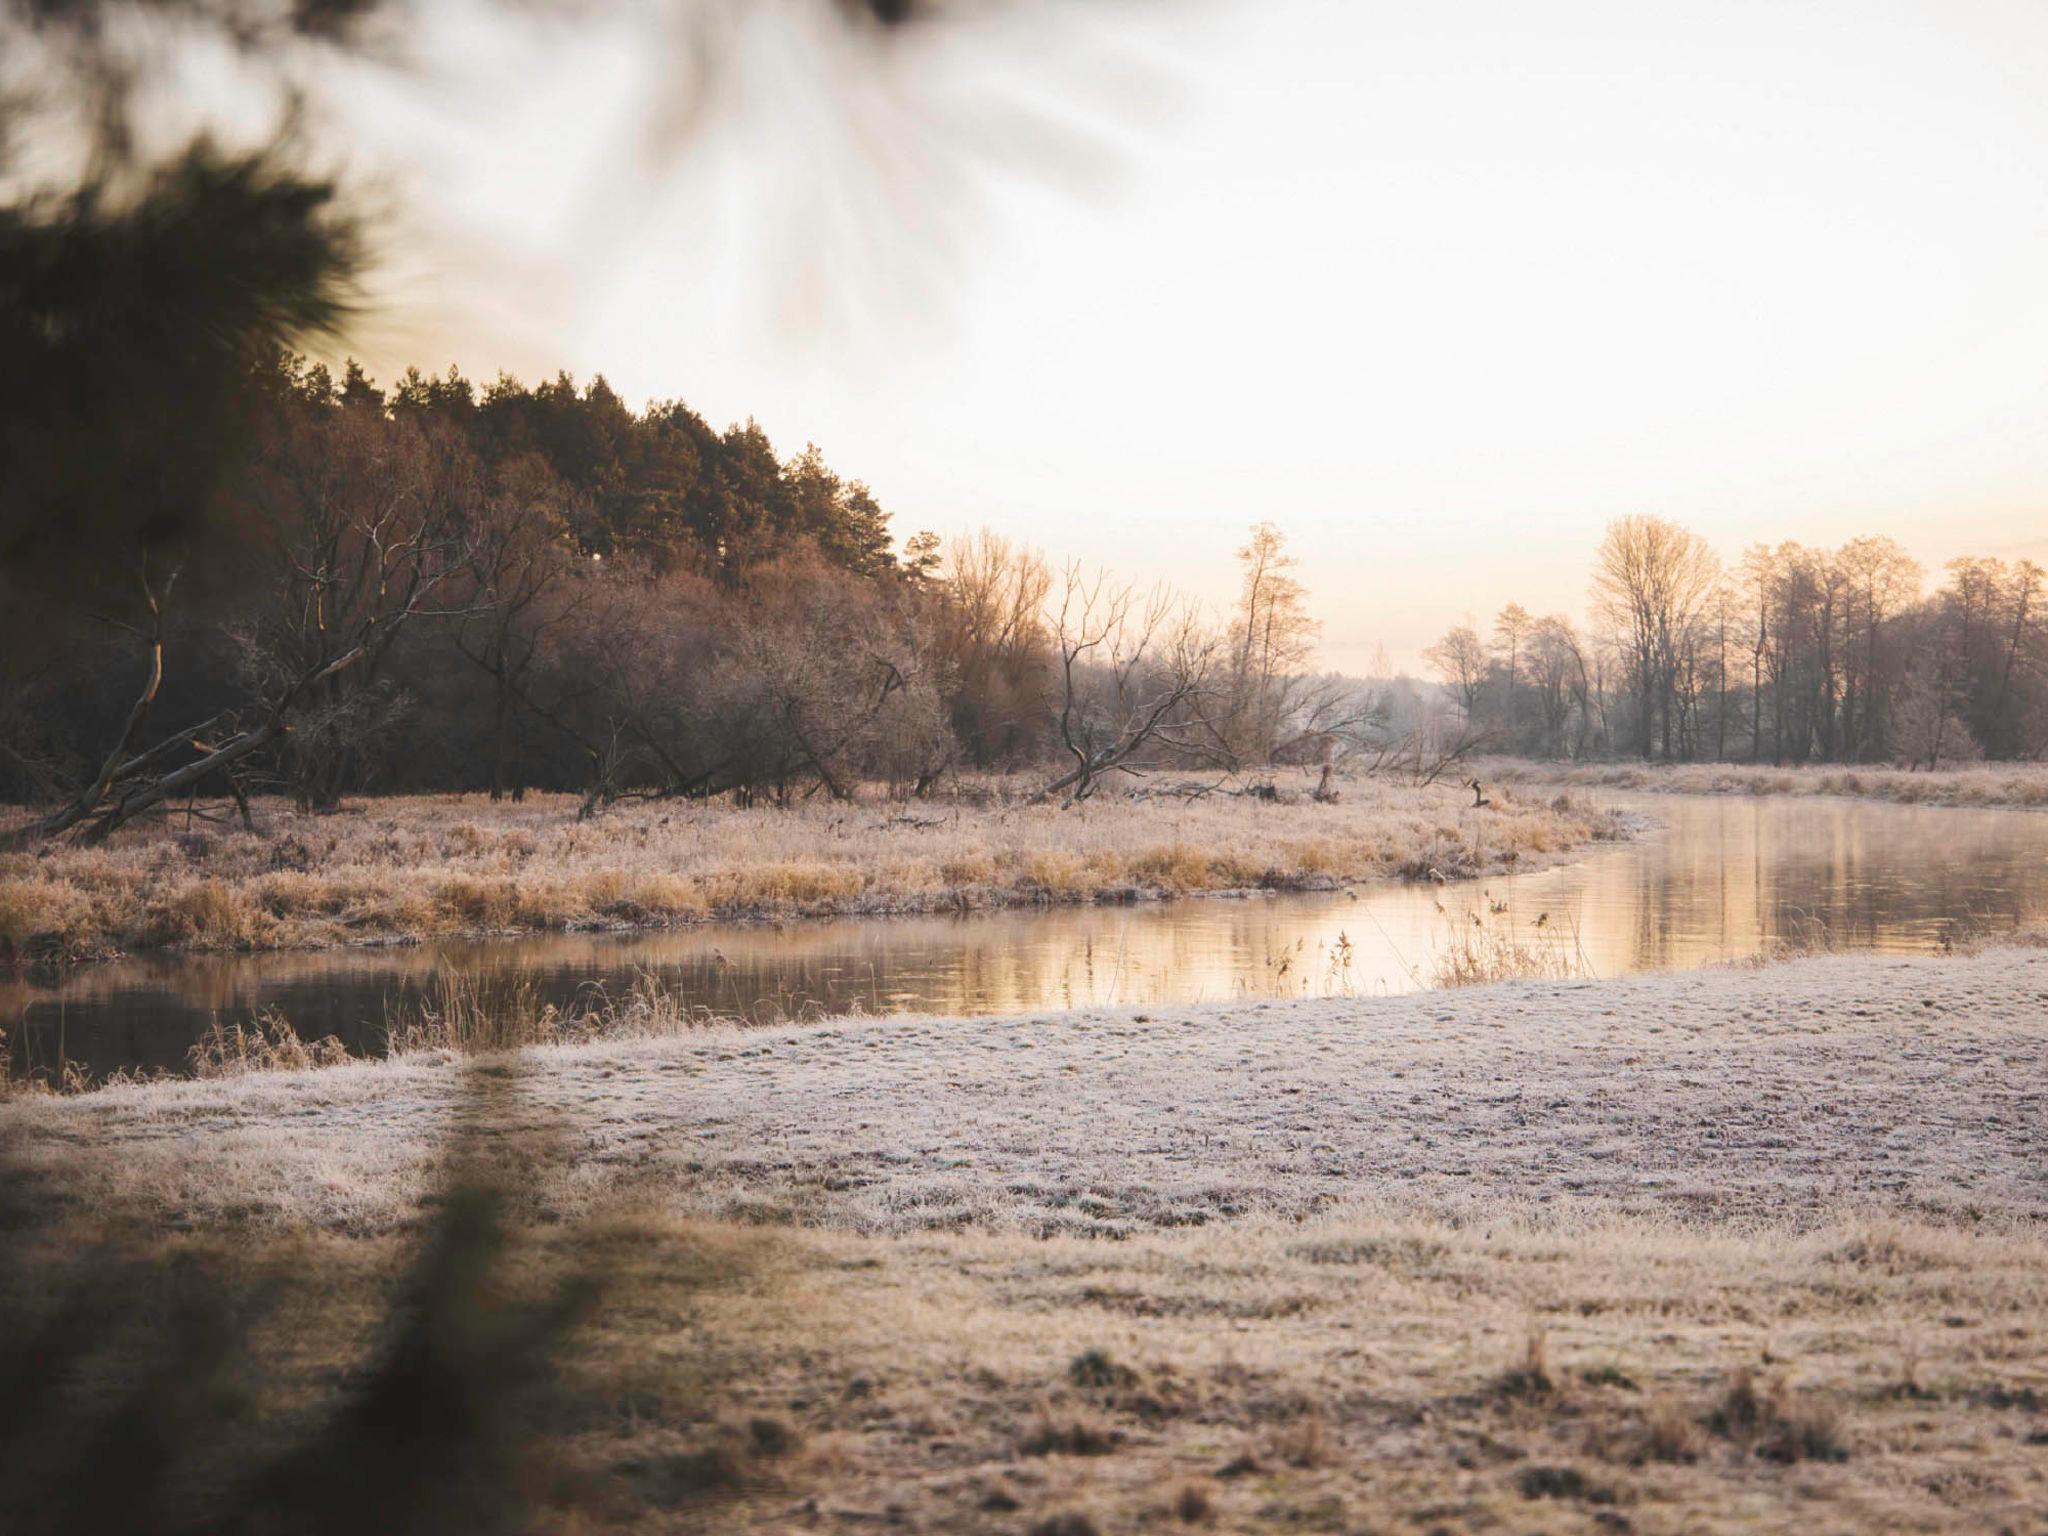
{"points": [[1740, 1249], [1774, 1092], [409, 867], [1990, 786]]}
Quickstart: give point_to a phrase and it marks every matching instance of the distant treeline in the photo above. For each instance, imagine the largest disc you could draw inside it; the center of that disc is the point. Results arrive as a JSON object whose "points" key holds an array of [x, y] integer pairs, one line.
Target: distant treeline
{"points": [[1792, 655], [441, 587]]}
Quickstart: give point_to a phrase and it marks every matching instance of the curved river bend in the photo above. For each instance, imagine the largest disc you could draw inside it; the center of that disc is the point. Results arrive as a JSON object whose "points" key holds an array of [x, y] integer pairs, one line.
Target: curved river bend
{"points": [[1718, 878]]}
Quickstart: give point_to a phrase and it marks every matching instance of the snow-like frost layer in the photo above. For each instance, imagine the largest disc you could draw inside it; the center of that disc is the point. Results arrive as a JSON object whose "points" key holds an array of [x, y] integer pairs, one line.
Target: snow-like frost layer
{"points": [[1771, 1095]]}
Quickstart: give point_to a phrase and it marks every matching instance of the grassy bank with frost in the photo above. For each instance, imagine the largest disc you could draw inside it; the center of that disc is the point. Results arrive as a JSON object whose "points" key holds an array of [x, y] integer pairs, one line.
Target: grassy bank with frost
{"points": [[1989, 786], [1704, 1252], [410, 867], [1737, 1093]]}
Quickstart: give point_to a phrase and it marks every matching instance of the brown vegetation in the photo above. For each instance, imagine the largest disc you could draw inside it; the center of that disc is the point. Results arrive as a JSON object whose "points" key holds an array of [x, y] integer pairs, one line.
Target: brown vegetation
{"points": [[653, 609], [730, 1378], [409, 867]]}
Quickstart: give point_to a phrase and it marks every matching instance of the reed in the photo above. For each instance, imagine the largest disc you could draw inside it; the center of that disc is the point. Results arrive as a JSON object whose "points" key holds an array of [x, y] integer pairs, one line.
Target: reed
{"points": [[267, 1043], [487, 1014], [1484, 947]]}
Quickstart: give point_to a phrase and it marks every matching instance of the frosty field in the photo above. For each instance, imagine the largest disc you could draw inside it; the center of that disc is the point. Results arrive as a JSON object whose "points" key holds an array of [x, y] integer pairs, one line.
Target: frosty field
{"points": [[1731, 1249]]}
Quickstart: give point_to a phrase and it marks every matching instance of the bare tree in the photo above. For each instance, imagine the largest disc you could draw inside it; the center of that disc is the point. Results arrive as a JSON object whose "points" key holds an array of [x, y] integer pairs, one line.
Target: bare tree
{"points": [[1882, 582], [367, 530], [1330, 718], [1558, 675], [362, 534], [1272, 639], [1134, 672], [1934, 692], [359, 534], [1460, 661], [1510, 631], [519, 555], [806, 677], [1650, 581], [991, 633], [845, 673], [627, 664], [1759, 579]]}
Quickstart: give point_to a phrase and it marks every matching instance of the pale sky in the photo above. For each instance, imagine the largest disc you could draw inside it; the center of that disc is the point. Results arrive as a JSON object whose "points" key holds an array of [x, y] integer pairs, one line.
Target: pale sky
{"points": [[1440, 289]]}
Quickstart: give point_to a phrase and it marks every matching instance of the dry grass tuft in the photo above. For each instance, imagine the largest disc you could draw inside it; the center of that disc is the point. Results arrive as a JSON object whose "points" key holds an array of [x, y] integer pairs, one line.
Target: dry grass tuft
{"points": [[667, 1481], [1054, 1433], [1305, 1443], [1531, 1377], [1907, 1385], [1775, 1422], [1192, 1505], [266, 1044], [1670, 1432], [1561, 1482], [22, 1080], [46, 921], [1069, 1523], [1609, 1376], [204, 914], [772, 1438], [1094, 1370], [1744, 1406]]}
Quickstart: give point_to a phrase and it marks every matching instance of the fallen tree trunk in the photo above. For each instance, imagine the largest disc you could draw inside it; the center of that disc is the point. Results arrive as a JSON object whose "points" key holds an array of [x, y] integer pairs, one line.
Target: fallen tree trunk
{"points": [[111, 770], [115, 807], [145, 796]]}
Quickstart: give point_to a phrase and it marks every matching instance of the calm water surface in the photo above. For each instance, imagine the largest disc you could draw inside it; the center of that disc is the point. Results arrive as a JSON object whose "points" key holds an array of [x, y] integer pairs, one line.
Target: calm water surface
{"points": [[1717, 878]]}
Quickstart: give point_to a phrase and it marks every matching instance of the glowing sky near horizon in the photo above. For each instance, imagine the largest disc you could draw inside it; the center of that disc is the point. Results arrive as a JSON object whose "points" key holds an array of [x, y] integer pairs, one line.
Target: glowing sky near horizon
{"points": [[1439, 289]]}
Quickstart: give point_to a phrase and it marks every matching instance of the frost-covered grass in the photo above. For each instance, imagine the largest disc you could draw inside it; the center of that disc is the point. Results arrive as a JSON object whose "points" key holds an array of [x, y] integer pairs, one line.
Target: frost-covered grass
{"points": [[2012, 786], [1755, 1250], [1750, 1094], [413, 866]]}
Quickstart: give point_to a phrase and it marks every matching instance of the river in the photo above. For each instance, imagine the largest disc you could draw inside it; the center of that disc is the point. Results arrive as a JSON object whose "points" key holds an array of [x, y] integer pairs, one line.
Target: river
{"points": [[1714, 878]]}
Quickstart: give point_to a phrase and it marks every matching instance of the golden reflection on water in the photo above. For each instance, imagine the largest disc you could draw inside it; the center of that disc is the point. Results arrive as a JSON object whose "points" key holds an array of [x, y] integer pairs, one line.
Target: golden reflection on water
{"points": [[1721, 878]]}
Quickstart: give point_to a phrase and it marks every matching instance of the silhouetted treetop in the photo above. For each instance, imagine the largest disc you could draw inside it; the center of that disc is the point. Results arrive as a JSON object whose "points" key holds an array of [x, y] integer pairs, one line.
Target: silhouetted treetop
{"points": [[137, 327], [659, 486]]}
